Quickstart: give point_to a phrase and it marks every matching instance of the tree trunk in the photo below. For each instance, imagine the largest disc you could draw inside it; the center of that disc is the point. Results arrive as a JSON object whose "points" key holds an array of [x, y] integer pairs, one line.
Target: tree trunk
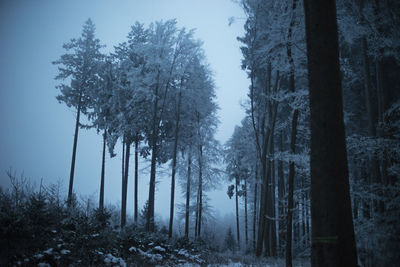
{"points": [[197, 214], [292, 144], [103, 166], [237, 211], [188, 195], [255, 208], [200, 189], [71, 177], [171, 214], [333, 242], [136, 177], [290, 189], [125, 185], [281, 195], [246, 234]]}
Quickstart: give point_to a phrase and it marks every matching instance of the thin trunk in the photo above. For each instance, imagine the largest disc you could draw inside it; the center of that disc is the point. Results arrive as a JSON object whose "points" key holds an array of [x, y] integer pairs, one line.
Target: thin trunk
{"points": [[237, 212], [171, 214], [197, 214], [292, 144], [188, 195], [264, 180], [281, 194], [125, 185], [71, 177], [200, 189], [255, 208], [290, 193], [246, 227], [333, 242], [136, 177], [103, 166]]}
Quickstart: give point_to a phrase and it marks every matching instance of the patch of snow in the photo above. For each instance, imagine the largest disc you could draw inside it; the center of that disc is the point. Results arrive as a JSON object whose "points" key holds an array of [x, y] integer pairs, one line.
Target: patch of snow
{"points": [[65, 251], [54, 231], [132, 249], [109, 258], [95, 235], [150, 244], [49, 251], [159, 249], [38, 256], [183, 252]]}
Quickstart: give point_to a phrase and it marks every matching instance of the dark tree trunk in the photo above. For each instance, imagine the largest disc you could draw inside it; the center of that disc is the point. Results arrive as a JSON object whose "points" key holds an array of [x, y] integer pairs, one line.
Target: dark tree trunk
{"points": [[200, 189], [333, 242], [171, 214], [281, 194], [290, 191], [188, 195], [125, 185], [136, 178], [292, 144], [237, 211], [255, 208], [197, 214], [103, 167], [246, 227], [71, 177], [152, 184]]}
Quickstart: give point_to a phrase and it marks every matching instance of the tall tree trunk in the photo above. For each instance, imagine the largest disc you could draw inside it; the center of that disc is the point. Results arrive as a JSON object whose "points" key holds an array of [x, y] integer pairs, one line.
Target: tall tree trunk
{"points": [[200, 189], [197, 214], [292, 143], [290, 191], [152, 184], [237, 211], [171, 214], [125, 184], [333, 242], [188, 195], [262, 224], [136, 178], [103, 166], [281, 194], [71, 177], [246, 234], [255, 208]]}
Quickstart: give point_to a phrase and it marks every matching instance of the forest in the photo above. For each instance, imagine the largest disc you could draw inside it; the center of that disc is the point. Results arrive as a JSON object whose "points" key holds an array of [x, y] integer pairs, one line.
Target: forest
{"points": [[313, 169]]}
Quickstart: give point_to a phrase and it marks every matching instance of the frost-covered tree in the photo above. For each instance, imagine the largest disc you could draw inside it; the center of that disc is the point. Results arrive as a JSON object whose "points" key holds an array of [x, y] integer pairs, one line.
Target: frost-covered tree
{"points": [[79, 68]]}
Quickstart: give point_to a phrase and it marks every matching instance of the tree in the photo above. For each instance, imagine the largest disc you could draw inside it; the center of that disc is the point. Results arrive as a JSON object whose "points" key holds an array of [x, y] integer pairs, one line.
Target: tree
{"points": [[230, 240], [80, 67], [333, 242]]}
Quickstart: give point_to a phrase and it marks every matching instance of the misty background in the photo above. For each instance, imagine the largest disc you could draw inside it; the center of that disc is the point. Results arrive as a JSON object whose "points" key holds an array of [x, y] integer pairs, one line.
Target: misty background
{"points": [[37, 132]]}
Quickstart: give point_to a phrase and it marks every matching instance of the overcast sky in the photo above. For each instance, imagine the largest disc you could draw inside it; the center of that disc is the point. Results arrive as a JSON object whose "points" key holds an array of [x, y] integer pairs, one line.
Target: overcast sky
{"points": [[36, 133]]}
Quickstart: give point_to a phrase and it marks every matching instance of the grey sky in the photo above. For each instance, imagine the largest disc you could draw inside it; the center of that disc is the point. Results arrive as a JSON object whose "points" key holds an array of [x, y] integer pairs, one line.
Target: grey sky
{"points": [[37, 132]]}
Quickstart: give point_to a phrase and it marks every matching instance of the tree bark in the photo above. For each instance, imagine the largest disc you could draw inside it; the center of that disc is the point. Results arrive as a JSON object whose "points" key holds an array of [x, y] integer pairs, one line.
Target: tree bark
{"points": [[246, 234], [188, 195], [292, 144], [103, 164], [237, 211], [136, 178], [171, 214], [255, 208], [71, 177], [125, 185], [333, 242], [200, 189]]}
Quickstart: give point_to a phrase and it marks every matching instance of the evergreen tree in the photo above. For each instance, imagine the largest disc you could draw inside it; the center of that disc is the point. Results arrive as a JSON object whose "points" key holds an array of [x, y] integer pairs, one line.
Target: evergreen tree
{"points": [[79, 66]]}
